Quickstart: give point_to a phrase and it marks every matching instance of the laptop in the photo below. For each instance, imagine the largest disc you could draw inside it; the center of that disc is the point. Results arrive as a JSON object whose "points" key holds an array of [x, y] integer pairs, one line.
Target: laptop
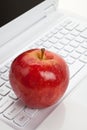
{"points": [[30, 24]]}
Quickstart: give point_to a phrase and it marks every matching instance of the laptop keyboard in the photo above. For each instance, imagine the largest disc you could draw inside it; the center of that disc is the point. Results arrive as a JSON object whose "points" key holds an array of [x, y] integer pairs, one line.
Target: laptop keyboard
{"points": [[68, 39]]}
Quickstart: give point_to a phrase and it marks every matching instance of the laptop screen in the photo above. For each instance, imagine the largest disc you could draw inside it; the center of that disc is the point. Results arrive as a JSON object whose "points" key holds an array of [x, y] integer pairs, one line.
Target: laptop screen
{"points": [[10, 9]]}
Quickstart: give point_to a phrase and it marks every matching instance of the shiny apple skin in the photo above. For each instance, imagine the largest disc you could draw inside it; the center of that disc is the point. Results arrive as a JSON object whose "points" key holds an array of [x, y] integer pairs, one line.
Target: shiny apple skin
{"points": [[38, 82]]}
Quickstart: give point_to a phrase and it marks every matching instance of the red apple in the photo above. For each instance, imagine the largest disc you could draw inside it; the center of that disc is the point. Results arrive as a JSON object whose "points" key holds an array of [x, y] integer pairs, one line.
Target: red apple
{"points": [[39, 77]]}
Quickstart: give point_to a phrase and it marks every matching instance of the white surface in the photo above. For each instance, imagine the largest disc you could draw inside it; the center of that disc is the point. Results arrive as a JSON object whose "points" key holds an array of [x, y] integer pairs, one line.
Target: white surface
{"points": [[3, 126], [77, 6], [71, 113]]}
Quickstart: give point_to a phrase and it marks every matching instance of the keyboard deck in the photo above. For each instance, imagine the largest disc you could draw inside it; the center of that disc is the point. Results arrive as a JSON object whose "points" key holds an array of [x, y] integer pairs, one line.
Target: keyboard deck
{"points": [[68, 39]]}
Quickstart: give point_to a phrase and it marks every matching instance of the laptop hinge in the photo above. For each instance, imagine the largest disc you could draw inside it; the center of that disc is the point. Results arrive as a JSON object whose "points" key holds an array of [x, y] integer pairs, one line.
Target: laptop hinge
{"points": [[50, 9]]}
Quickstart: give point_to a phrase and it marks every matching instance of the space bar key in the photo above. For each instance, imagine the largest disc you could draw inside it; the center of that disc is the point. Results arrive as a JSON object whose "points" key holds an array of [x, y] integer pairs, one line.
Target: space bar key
{"points": [[76, 67]]}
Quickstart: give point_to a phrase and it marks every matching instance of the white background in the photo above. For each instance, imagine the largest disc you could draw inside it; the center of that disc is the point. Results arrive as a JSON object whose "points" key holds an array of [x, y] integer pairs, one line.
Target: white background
{"points": [[76, 6]]}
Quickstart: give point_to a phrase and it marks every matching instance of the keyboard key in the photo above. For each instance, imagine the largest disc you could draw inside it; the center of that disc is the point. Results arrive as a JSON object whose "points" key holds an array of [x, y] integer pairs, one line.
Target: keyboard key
{"points": [[75, 67], [70, 36], [59, 35], [59, 27], [12, 95], [70, 60], [83, 58], [79, 39], [64, 41], [71, 26], [63, 53], [75, 32], [44, 39], [66, 22], [5, 103], [75, 54], [85, 53], [47, 44], [69, 48], [22, 119], [12, 111], [80, 50], [7, 84], [74, 43], [84, 44], [81, 27], [49, 35], [3, 69], [4, 90], [53, 40], [8, 64], [84, 34], [30, 112], [64, 31], [5, 76], [58, 46], [1, 82], [0, 97], [54, 31], [39, 42]]}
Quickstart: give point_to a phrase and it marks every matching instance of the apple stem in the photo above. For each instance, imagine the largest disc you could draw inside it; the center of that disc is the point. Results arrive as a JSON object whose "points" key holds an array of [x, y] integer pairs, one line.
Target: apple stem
{"points": [[42, 52]]}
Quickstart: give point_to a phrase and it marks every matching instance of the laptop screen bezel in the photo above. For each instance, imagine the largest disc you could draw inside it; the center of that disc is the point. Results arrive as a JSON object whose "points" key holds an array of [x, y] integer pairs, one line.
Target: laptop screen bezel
{"points": [[24, 21]]}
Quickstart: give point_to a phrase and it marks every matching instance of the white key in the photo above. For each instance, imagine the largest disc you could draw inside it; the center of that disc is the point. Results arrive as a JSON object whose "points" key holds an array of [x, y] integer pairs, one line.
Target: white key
{"points": [[83, 58], [59, 35], [44, 39], [54, 31], [75, 67], [4, 90], [70, 36], [53, 49], [53, 40], [31, 112], [85, 53], [1, 82], [21, 119], [70, 60], [81, 27], [8, 64], [39, 42], [8, 85], [13, 96], [64, 41], [59, 27], [80, 49], [75, 32], [64, 31], [71, 26], [3, 69], [66, 22], [68, 48], [12, 111], [5, 103], [0, 97], [75, 54], [58, 46], [5, 76], [84, 44], [49, 35], [84, 34], [63, 53], [79, 39], [74, 43], [47, 44]]}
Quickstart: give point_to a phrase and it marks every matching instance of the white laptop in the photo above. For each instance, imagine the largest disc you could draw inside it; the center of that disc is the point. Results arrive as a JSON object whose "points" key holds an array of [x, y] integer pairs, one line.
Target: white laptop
{"points": [[29, 24]]}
